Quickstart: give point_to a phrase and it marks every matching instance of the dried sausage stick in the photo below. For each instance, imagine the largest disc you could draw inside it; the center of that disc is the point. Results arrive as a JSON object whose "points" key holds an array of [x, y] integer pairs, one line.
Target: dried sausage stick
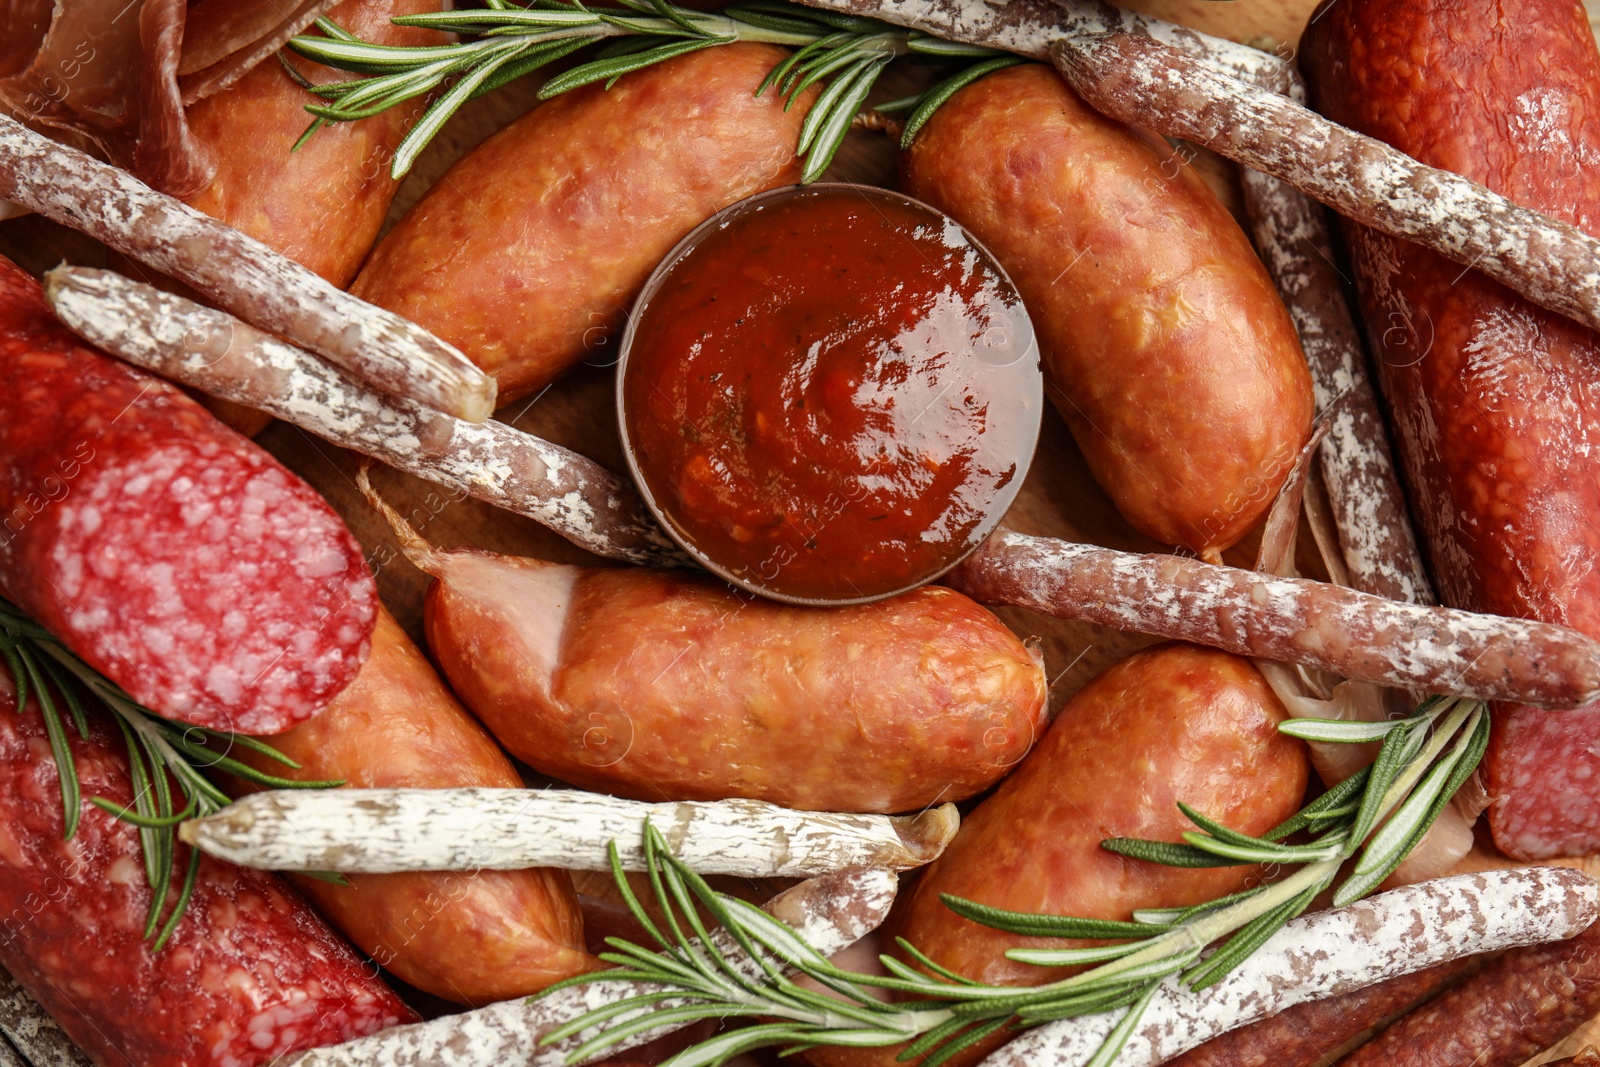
{"points": [[1290, 620], [239, 273], [1311, 1034], [829, 913], [1516, 1008], [1330, 953], [37, 1038], [1136, 79], [1029, 27], [1375, 535], [216, 353], [380, 831]]}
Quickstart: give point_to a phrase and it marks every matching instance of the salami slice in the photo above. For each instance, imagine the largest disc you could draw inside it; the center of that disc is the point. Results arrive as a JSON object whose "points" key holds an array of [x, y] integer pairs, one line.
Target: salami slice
{"points": [[249, 974], [169, 552]]}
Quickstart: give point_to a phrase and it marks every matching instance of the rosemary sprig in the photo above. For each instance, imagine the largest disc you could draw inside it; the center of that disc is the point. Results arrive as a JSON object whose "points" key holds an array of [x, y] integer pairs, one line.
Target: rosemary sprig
{"points": [[161, 754], [505, 41], [1424, 759]]}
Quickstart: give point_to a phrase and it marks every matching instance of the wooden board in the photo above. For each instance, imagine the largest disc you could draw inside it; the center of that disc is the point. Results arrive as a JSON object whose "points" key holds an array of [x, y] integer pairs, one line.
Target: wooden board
{"points": [[1059, 497]]}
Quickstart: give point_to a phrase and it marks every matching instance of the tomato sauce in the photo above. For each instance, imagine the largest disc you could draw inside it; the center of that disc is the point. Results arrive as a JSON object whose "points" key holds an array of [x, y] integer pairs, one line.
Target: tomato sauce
{"points": [[833, 393]]}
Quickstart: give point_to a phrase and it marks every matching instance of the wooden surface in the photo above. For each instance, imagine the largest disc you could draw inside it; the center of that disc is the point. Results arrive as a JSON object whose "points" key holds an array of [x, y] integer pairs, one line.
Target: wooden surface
{"points": [[1059, 497]]}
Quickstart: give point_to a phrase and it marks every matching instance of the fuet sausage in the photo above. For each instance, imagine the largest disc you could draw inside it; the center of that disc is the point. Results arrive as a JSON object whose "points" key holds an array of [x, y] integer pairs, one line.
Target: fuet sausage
{"points": [[1167, 724], [474, 936], [170, 553], [1495, 402], [528, 250], [665, 685], [250, 972], [1169, 352]]}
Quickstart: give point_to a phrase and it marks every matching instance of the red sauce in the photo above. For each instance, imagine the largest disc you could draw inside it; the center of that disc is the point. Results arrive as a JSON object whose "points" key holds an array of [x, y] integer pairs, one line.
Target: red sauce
{"points": [[832, 394]]}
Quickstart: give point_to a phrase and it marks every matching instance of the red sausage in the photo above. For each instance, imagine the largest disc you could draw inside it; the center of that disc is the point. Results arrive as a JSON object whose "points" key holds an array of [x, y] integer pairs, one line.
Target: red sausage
{"points": [[667, 686], [1495, 402], [172, 554], [1169, 351], [250, 973], [1519, 1006], [471, 937], [528, 251]]}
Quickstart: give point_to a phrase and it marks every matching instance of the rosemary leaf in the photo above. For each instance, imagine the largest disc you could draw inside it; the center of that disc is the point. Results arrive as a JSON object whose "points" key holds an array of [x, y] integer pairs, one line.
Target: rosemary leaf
{"points": [[1166, 853], [1030, 925], [937, 96], [1337, 732]]}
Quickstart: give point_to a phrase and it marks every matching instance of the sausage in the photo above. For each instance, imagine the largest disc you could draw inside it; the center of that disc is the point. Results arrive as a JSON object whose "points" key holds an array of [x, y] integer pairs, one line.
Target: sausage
{"points": [[173, 555], [323, 203], [473, 936], [1328, 954], [1495, 403], [250, 972], [1516, 1008], [667, 685], [528, 251], [1313, 1033], [1168, 350], [214, 352], [828, 913]]}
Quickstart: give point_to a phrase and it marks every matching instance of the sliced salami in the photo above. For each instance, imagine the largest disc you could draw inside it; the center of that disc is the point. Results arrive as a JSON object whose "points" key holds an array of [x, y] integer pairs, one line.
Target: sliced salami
{"points": [[169, 552]]}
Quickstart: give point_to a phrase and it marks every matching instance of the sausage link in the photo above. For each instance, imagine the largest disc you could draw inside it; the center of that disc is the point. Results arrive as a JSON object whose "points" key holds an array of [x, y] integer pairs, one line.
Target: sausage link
{"points": [[250, 973], [170, 553], [1125, 313], [1519, 1006], [529, 250], [1495, 401], [472, 936]]}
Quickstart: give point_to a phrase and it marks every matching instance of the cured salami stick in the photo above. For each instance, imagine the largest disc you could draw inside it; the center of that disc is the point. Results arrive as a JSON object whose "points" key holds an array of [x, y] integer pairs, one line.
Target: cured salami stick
{"points": [[170, 553], [216, 353], [38, 1039], [1139, 80], [1313, 1033], [1519, 1006], [250, 973], [1291, 620], [829, 913], [385, 830], [238, 273], [1330, 953], [1369, 507]]}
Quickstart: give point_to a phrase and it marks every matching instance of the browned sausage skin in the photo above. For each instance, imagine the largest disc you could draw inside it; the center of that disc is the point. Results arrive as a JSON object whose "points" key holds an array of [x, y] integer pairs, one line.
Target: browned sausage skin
{"points": [[666, 685], [529, 249], [470, 937], [1169, 351]]}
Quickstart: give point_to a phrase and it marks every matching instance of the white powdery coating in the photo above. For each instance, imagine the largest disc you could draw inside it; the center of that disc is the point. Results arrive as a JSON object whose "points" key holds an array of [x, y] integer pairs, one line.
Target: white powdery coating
{"points": [[380, 831], [1369, 509], [1332, 953], [829, 913], [238, 272], [1136, 79], [493, 462], [32, 1032], [1290, 620]]}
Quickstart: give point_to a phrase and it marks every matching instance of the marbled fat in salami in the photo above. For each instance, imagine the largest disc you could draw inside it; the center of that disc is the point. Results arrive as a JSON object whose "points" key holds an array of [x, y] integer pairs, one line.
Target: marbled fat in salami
{"points": [[172, 554], [249, 974], [1495, 402]]}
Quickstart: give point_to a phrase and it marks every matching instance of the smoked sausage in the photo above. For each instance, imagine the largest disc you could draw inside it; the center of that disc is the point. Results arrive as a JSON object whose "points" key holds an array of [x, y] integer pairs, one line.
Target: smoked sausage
{"points": [[170, 553], [323, 203], [474, 936], [527, 252], [666, 685], [249, 975], [1168, 350], [1495, 403], [1171, 723]]}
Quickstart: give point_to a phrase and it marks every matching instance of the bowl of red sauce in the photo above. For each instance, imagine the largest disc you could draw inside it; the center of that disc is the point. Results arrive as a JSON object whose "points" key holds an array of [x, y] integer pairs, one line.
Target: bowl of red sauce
{"points": [[829, 394]]}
